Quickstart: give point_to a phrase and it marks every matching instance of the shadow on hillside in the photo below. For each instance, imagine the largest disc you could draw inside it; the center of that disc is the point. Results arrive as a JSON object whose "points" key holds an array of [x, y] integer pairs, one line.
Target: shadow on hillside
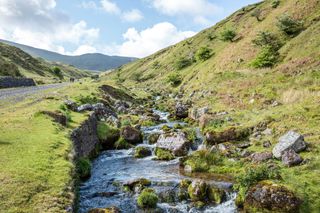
{"points": [[4, 143]]}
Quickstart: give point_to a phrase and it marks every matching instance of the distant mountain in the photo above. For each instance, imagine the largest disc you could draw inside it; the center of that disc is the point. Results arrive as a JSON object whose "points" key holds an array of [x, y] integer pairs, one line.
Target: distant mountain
{"points": [[93, 62]]}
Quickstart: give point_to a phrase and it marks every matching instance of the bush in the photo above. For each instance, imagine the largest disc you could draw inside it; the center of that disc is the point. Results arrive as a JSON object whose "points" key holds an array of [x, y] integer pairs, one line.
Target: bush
{"points": [[228, 35], [203, 54], [136, 76], [174, 79], [147, 199], [289, 25], [275, 3], [268, 57], [182, 63], [57, 71], [252, 175], [83, 167]]}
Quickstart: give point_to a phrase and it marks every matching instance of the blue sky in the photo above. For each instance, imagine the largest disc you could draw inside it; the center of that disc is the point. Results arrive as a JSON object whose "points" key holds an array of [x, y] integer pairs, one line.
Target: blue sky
{"points": [[116, 27]]}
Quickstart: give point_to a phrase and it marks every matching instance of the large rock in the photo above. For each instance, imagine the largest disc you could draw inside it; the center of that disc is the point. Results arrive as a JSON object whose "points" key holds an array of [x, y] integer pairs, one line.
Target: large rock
{"points": [[291, 158], [198, 191], [181, 110], [85, 107], [102, 111], [107, 210], [269, 196], [291, 140], [230, 134], [131, 135], [71, 105], [176, 142]]}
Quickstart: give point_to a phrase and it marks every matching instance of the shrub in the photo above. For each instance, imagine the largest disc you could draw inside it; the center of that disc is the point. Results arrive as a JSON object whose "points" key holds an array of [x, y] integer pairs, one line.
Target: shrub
{"points": [[147, 199], [83, 167], [252, 175], [182, 63], [228, 35], [266, 38], [275, 3], [211, 37], [268, 57], [57, 71], [136, 76], [203, 54], [289, 25], [174, 79]]}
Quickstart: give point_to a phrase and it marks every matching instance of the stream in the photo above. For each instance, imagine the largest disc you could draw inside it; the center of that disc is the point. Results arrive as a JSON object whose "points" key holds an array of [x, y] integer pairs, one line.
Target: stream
{"points": [[120, 166]]}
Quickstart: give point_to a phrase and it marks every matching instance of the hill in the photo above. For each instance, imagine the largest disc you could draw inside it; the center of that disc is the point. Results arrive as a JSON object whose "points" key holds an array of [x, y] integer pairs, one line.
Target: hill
{"points": [[94, 61], [260, 65], [17, 63]]}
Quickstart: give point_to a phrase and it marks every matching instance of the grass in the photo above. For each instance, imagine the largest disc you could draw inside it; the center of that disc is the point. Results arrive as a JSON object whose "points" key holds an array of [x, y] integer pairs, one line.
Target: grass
{"points": [[36, 173]]}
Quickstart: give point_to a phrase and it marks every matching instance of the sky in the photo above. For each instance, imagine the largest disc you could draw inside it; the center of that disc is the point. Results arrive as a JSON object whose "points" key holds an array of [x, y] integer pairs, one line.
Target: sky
{"points": [[135, 28]]}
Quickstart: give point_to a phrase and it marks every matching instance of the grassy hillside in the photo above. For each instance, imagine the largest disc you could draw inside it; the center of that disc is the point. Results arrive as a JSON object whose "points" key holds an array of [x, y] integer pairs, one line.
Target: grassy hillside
{"points": [[262, 54], [93, 61], [15, 62]]}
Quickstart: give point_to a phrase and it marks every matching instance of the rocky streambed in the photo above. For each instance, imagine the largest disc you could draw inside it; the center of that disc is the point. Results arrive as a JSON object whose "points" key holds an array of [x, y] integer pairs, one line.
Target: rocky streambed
{"points": [[117, 179]]}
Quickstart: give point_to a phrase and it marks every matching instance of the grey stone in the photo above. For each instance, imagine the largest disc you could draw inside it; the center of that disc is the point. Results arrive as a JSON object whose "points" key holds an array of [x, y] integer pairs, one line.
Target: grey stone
{"points": [[181, 110], [176, 142], [85, 107], [291, 140], [71, 105], [260, 157], [9, 82], [291, 158]]}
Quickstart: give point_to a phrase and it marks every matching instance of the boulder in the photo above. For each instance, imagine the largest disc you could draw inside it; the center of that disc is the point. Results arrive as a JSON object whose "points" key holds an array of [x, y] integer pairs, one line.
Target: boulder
{"points": [[141, 182], [85, 107], [198, 191], [261, 157], [230, 134], [153, 138], [102, 111], [176, 142], [291, 140], [291, 158], [131, 135], [215, 194], [71, 105], [107, 210], [269, 196], [181, 110]]}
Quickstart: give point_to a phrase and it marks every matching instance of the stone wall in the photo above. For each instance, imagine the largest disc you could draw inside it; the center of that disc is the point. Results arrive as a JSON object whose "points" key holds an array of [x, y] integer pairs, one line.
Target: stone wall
{"points": [[9, 82], [85, 138]]}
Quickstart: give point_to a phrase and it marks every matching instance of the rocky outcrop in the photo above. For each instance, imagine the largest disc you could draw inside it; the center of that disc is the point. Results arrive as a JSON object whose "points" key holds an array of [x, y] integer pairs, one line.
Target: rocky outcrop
{"points": [[269, 196], [230, 134], [177, 143], [291, 140], [9, 82], [181, 110], [85, 138]]}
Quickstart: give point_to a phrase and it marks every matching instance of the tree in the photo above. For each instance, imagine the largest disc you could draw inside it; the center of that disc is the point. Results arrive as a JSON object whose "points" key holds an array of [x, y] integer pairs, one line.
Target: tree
{"points": [[289, 25], [57, 71], [266, 38]]}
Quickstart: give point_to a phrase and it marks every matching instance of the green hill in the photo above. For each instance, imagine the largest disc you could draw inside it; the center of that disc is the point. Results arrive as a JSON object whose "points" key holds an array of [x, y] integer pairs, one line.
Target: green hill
{"points": [[260, 64], [17, 63]]}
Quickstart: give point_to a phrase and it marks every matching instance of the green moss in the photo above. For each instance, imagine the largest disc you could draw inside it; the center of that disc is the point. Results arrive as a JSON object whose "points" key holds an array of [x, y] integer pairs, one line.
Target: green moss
{"points": [[163, 154], [107, 135], [122, 144], [83, 166], [202, 161], [165, 128], [153, 138], [141, 152], [215, 194], [147, 199]]}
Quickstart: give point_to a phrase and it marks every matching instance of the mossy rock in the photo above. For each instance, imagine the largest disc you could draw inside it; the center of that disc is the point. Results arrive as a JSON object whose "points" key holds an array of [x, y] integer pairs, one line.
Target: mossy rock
{"points": [[165, 128], [163, 154], [183, 193], [142, 152], [229, 134], [198, 191], [107, 135], [216, 195], [153, 138], [107, 210], [148, 199], [267, 196], [140, 182], [83, 167], [122, 144]]}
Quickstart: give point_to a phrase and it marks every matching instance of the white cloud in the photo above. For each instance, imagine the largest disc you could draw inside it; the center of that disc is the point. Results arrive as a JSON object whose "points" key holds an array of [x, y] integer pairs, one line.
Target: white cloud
{"points": [[89, 5], [132, 16], [150, 40], [83, 49], [37, 23], [110, 7], [198, 9]]}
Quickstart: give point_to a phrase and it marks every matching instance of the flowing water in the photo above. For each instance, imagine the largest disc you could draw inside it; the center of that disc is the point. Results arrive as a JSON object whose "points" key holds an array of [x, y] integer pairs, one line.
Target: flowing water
{"points": [[114, 167]]}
